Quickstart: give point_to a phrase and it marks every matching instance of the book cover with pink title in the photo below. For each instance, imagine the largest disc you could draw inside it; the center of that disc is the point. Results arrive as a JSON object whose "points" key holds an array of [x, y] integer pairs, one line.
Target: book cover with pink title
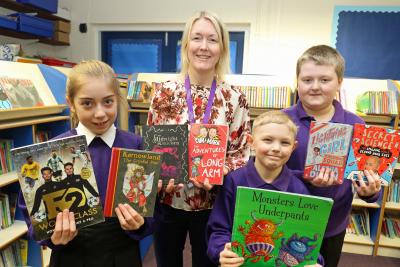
{"points": [[328, 146], [373, 148], [207, 150]]}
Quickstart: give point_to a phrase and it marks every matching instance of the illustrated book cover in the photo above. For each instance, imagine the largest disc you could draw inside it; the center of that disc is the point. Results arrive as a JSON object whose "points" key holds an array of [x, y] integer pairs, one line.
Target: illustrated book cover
{"points": [[373, 148], [133, 180], [328, 147], [273, 228], [207, 150], [172, 141], [57, 175], [18, 93]]}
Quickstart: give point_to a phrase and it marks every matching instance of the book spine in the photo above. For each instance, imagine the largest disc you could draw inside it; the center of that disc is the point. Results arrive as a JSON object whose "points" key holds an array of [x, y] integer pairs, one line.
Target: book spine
{"points": [[112, 178]]}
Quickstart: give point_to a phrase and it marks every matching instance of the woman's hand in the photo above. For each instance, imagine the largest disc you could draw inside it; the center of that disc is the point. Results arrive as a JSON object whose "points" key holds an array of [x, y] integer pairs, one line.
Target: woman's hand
{"points": [[129, 219], [205, 185], [65, 229], [228, 258], [368, 189]]}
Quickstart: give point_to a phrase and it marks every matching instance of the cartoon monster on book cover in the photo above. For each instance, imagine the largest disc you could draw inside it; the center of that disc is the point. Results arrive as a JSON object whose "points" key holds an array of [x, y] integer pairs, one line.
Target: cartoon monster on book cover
{"points": [[133, 179], [207, 150], [373, 148], [328, 146], [53, 178], [172, 140], [273, 228]]}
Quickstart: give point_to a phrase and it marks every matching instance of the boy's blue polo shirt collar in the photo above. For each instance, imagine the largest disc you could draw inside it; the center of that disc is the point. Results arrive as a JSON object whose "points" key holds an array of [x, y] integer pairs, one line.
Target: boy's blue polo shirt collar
{"points": [[254, 180], [337, 117]]}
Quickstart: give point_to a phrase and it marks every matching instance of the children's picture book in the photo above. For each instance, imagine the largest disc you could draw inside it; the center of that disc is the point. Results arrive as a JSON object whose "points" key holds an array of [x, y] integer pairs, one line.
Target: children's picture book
{"points": [[273, 228], [207, 150], [133, 180], [373, 148], [57, 175], [172, 140], [328, 146], [18, 93]]}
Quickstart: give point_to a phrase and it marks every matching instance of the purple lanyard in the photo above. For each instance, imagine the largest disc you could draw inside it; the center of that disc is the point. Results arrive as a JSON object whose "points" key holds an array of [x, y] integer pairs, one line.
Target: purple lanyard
{"points": [[207, 112]]}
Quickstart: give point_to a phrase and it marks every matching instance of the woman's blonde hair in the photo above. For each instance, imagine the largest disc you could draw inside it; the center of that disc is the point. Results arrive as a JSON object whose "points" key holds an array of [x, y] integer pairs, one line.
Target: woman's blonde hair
{"points": [[82, 72], [223, 66]]}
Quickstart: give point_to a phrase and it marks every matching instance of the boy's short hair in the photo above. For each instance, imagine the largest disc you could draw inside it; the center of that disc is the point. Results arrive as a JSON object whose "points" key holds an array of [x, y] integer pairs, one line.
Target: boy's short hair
{"points": [[275, 116], [323, 55]]}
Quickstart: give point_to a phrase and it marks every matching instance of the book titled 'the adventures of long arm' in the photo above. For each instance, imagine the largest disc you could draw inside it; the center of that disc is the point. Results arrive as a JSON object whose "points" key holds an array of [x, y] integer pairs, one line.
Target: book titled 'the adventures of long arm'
{"points": [[328, 146], [273, 228], [57, 175], [207, 150], [133, 180]]}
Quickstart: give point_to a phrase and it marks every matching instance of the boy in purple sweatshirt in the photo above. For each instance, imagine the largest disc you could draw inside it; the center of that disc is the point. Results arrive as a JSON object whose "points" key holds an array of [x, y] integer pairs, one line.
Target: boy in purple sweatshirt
{"points": [[319, 74], [273, 141]]}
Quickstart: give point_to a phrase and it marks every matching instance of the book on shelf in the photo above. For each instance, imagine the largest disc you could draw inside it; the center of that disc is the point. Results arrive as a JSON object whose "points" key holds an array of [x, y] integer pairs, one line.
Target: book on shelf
{"points": [[133, 179], [359, 223], [42, 136], [6, 164], [328, 146], [207, 150], [141, 91], [378, 102], [8, 202], [394, 192], [268, 96], [172, 140], [18, 93], [391, 226], [54, 176], [268, 226], [11, 255], [373, 148]]}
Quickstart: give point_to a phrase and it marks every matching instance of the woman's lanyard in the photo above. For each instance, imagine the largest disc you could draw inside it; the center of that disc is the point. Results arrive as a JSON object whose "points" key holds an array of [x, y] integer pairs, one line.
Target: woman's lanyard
{"points": [[207, 112]]}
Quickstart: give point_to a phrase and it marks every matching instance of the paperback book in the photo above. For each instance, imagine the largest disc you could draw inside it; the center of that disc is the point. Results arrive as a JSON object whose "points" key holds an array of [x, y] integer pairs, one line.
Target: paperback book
{"points": [[172, 141], [273, 228], [328, 146], [207, 150], [133, 180], [373, 148], [54, 176]]}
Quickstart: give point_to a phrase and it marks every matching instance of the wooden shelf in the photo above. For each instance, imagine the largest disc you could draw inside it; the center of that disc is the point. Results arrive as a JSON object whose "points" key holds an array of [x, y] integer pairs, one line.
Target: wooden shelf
{"points": [[12, 233], [23, 8], [31, 121], [19, 113], [361, 203], [392, 206], [378, 119], [8, 178], [385, 241], [138, 105], [358, 239]]}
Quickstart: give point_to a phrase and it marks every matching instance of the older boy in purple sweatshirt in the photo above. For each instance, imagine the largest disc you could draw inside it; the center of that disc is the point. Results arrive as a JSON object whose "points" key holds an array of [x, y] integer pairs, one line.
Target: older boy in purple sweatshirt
{"points": [[319, 76]]}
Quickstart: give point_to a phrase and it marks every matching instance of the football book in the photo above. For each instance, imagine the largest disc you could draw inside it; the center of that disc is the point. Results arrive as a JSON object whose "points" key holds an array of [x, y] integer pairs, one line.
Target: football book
{"points": [[172, 141], [373, 148], [207, 150], [273, 228], [328, 147], [133, 179], [57, 175]]}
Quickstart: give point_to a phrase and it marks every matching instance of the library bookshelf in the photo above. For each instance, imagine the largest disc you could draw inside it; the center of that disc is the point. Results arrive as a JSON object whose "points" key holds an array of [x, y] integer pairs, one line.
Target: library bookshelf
{"points": [[22, 128]]}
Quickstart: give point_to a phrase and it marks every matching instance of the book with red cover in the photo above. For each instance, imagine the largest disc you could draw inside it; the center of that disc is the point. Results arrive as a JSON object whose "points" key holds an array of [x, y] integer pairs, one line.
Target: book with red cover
{"points": [[375, 148], [132, 179], [207, 150], [328, 146]]}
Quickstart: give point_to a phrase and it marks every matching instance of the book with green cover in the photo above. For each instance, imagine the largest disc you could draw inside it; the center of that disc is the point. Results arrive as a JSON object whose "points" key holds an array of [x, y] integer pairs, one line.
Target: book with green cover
{"points": [[273, 228]]}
